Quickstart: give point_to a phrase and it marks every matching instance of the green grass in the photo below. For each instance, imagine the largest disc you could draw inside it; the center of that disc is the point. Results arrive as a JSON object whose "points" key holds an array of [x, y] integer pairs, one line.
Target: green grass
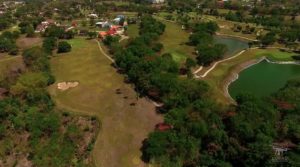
{"points": [[276, 55], [174, 40], [133, 30], [124, 126], [77, 43]]}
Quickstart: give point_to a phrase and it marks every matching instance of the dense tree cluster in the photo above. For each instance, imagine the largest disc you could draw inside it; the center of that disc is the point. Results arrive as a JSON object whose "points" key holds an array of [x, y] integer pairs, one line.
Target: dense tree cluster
{"points": [[202, 38], [154, 75], [58, 32], [8, 42], [6, 20], [201, 133], [204, 135]]}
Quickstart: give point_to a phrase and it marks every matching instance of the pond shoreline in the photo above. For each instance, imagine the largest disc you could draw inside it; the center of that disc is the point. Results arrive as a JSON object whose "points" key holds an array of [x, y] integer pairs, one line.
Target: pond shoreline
{"points": [[234, 74]]}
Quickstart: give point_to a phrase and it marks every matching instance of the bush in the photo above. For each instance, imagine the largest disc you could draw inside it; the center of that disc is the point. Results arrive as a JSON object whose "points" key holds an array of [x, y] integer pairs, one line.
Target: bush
{"points": [[49, 44], [157, 47], [63, 47], [296, 57], [13, 51]]}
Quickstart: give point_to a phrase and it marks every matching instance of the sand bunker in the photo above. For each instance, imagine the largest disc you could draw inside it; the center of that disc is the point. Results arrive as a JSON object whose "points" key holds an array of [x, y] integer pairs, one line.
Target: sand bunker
{"points": [[66, 85]]}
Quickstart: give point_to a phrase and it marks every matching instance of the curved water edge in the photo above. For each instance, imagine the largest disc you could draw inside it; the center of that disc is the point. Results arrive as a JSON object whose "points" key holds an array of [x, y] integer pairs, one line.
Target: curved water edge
{"points": [[234, 44], [234, 74]]}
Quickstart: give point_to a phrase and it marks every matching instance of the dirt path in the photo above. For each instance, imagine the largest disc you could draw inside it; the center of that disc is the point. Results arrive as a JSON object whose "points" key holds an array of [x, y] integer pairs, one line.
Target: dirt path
{"points": [[102, 51], [236, 36], [215, 65]]}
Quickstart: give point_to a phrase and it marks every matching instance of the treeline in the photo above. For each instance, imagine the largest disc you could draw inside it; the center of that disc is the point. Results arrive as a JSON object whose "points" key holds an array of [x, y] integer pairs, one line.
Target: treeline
{"points": [[203, 134], [153, 74], [30, 126], [207, 50], [6, 20]]}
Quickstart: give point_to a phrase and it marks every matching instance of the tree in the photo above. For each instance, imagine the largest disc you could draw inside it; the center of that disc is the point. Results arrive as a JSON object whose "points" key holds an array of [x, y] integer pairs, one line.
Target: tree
{"points": [[200, 37], [83, 23], [36, 59], [63, 47], [92, 22], [29, 83], [49, 44], [30, 31], [209, 53], [189, 63], [92, 34], [268, 39]]}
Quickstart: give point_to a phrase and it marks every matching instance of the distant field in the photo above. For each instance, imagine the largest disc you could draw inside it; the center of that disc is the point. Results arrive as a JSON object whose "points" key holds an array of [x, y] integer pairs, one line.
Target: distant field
{"points": [[125, 120], [174, 40]]}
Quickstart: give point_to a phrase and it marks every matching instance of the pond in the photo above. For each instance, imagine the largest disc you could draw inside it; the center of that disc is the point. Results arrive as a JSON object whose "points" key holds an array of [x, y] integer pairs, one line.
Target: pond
{"points": [[263, 79], [234, 45]]}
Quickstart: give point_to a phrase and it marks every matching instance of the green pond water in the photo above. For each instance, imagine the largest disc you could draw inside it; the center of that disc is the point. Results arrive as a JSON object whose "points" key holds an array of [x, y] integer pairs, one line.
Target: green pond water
{"points": [[234, 45], [263, 79]]}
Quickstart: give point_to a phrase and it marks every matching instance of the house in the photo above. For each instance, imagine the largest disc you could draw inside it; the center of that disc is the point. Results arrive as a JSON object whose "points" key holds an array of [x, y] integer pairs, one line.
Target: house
{"points": [[114, 30], [156, 1], [100, 24], [44, 25], [92, 15], [102, 34], [110, 32], [118, 19], [107, 24]]}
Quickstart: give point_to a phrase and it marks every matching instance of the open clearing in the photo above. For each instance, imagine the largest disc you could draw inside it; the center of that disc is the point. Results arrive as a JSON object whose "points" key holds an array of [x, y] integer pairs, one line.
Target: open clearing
{"points": [[25, 43], [125, 121], [174, 40], [9, 63]]}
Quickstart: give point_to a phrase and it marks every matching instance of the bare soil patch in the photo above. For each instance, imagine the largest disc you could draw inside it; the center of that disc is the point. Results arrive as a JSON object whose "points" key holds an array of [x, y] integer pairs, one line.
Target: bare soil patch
{"points": [[25, 43], [66, 85]]}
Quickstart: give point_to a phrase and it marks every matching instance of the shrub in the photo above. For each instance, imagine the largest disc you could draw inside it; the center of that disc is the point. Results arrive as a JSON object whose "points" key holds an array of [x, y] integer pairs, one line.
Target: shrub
{"points": [[63, 47], [296, 57]]}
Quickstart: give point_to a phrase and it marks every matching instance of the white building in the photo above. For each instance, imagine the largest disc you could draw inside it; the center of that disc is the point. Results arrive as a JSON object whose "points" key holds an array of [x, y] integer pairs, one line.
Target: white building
{"points": [[157, 1]]}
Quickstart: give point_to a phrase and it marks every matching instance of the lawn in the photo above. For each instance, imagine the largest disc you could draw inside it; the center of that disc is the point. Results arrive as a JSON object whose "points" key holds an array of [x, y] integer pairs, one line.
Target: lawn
{"points": [[216, 78], [125, 120], [174, 40], [133, 30], [276, 55]]}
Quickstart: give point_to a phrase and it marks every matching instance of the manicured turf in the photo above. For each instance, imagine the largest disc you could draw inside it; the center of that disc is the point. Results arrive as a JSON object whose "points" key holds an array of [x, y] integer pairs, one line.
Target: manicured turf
{"points": [[174, 40], [276, 55], [124, 125]]}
